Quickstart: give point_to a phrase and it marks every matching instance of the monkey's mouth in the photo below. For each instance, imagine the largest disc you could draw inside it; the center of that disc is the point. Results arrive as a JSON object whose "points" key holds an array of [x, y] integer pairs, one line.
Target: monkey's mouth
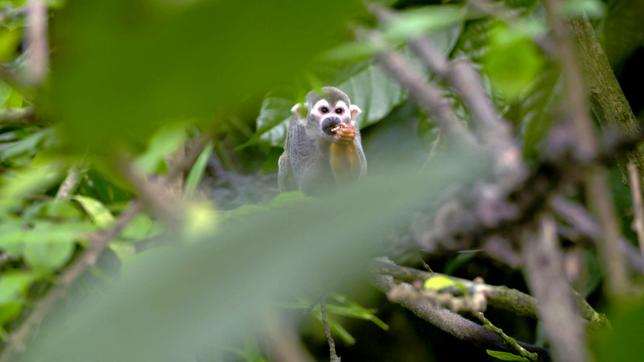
{"points": [[331, 125]]}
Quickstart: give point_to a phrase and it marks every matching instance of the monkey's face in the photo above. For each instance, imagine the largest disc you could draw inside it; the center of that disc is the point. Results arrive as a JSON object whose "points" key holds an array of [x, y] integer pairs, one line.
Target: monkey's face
{"points": [[330, 116]]}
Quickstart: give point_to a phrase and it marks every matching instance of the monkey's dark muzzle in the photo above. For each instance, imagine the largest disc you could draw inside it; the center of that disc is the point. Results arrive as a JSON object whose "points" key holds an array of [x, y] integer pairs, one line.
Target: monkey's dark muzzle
{"points": [[329, 124]]}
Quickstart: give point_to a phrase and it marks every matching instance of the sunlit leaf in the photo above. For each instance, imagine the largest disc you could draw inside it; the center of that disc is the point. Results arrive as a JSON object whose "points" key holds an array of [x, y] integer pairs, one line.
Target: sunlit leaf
{"points": [[100, 215], [512, 62], [438, 282], [506, 356], [13, 286]]}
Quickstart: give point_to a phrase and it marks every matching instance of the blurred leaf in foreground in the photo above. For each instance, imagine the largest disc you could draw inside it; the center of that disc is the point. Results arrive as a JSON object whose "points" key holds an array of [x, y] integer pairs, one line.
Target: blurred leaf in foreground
{"points": [[175, 301], [123, 67]]}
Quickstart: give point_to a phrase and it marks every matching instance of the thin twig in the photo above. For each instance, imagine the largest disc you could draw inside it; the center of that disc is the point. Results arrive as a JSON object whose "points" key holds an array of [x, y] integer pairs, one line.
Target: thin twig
{"points": [[492, 130], [37, 42], [327, 332], [509, 340], [69, 184], [577, 216], [638, 207], [428, 96]]}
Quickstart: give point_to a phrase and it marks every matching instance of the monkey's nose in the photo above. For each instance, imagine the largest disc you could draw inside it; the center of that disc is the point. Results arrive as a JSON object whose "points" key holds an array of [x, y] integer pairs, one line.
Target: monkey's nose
{"points": [[328, 124]]}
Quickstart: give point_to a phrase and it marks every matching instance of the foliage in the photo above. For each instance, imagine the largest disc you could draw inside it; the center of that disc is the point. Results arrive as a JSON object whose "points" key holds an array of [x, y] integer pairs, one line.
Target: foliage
{"points": [[139, 82]]}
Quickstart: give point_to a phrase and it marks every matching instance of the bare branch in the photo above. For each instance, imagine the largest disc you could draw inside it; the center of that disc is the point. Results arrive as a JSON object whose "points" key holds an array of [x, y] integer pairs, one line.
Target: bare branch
{"points": [[37, 42], [597, 191], [578, 217], [500, 297], [608, 102], [69, 184], [327, 333], [448, 321], [18, 117], [544, 271]]}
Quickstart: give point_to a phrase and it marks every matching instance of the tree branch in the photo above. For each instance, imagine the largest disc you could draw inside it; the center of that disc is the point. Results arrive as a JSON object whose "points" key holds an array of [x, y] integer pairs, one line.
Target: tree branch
{"points": [[428, 96], [608, 103], [448, 321], [597, 190], [18, 117], [545, 276]]}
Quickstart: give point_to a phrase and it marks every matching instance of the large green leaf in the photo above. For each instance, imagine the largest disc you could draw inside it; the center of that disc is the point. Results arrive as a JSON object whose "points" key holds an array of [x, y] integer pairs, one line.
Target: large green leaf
{"points": [[175, 301], [367, 85], [123, 67]]}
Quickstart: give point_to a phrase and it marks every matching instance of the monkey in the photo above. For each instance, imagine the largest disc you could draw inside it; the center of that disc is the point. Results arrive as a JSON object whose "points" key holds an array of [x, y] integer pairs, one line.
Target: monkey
{"points": [[323, 146]]}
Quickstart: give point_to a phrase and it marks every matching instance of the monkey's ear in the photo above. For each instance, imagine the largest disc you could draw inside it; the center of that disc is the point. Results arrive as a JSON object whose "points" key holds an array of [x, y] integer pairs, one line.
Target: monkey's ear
{"points": [[299, 110], [355, 111]]}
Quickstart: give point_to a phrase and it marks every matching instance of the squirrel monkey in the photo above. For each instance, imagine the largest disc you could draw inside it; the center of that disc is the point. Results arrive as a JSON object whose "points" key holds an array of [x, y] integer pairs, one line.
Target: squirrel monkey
{"points": [[323, 146]]}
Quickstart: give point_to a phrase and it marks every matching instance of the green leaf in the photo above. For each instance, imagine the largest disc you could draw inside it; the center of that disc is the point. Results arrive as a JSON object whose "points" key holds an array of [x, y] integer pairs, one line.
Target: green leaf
{"points": [[438, 282], [27, 145], [124, 250], [536, 110], [141, 227], [48, 246], [197, 171], [12, 237], [177, 60], [9, 40], [422, 20], [506, 356], [99, 214], [48, 255], [165, 141], [512, 62], [623, 341], [16, 185], [13, 287], [272, 122], [590, 8], [61, 209], [374, 92]]}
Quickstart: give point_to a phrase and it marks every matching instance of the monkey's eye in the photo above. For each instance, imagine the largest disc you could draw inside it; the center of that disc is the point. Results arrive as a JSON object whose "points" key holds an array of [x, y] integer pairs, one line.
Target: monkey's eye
{"points": [[324, 110], [339, 110]]}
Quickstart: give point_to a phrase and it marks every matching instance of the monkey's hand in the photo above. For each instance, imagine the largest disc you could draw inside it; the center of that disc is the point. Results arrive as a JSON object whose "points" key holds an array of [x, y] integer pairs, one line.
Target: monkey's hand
{"points": [[344, 133]]}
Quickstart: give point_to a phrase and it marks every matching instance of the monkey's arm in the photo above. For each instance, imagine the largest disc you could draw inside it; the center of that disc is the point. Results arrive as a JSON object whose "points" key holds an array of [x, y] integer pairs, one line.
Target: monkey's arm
{"points": [[346, 157], [285, 179]]}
